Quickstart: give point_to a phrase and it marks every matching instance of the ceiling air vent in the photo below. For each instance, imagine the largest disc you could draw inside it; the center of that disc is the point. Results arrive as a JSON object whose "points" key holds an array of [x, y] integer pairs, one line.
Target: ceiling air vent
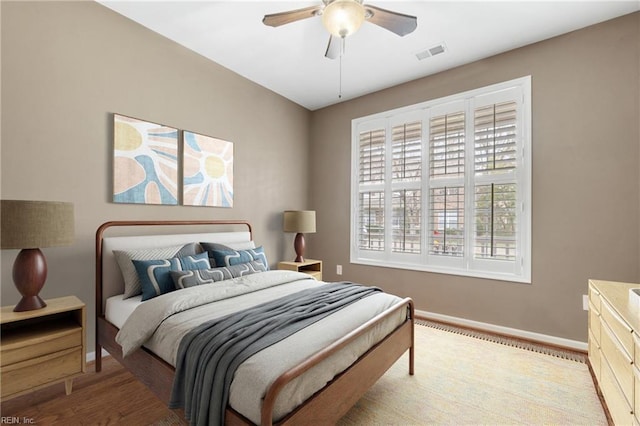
{"points": [[432, 51]]}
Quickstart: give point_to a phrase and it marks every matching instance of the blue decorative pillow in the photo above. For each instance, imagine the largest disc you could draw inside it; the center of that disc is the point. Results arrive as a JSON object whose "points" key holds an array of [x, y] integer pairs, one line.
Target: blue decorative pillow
{"points": [[155, 275], [220, 255], [184, 279], [125, 258]]}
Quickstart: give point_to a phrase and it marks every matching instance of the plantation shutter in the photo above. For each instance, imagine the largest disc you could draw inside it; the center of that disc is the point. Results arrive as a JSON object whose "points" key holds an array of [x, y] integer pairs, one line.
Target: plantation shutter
{"points": [[372, 156], [495, 138], [446, 173], [446, 145], [406, 140], [446, 218], [371, 202], [495, 216], [406, 175], [495, 194]]}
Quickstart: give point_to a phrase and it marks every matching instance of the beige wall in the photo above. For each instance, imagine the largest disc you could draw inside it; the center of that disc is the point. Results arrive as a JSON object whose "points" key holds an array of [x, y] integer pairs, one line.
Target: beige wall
{"points": [[66, 67], [586, 180]]}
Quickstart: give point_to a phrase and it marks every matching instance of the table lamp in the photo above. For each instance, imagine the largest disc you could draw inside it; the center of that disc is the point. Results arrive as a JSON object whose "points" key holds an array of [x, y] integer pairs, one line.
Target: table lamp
{"points": [[300, 222], [30, 225]]}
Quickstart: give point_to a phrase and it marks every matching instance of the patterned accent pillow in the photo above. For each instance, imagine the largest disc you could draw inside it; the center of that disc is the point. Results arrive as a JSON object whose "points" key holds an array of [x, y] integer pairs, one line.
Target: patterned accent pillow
{"points": [[155, 275], [125, 258], [220, 255], [185, 279]]}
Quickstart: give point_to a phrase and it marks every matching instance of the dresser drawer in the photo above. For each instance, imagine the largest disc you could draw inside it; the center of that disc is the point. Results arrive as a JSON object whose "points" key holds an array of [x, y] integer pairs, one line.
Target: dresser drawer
{"points": [[636, 340], [620, 363], [594, 322], [594, 297], [594, 355], [38, 344], [636, 376], [618, 326], [618, 405], [46, 369]]}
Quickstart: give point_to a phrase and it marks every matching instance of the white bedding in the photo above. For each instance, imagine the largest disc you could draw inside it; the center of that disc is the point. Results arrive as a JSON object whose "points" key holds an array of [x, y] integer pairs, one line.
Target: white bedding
{"points": [[119, 309], [160, 323]]}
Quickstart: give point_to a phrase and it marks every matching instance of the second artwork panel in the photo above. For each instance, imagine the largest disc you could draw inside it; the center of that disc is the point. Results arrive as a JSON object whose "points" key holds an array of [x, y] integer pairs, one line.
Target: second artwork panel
{"points": [[208, 171]]}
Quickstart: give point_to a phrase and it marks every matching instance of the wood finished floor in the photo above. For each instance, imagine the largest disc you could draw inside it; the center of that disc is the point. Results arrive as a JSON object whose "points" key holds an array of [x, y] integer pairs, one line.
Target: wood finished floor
{"points": [[112, 397]]}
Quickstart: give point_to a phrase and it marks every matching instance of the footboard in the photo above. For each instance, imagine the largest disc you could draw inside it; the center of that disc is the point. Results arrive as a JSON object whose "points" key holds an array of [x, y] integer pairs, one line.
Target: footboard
{"points": [[334, 400]]}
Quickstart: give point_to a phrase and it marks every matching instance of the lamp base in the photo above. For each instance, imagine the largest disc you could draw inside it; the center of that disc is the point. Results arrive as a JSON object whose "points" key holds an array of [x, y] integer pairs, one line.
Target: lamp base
{"points": [[298, 246], [29, 275], [29, 303]]}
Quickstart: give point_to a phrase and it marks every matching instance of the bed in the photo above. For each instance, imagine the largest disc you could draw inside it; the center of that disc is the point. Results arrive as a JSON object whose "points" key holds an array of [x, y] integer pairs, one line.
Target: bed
{"points": [[335, 363]]}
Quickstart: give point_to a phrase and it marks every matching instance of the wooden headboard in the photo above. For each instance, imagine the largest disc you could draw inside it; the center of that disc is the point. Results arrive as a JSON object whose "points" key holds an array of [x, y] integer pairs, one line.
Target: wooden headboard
{"points": [[109, 281]]}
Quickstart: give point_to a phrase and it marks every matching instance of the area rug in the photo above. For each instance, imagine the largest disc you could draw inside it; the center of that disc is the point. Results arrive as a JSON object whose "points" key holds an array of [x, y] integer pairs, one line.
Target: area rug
{"points": [[467, 380]]}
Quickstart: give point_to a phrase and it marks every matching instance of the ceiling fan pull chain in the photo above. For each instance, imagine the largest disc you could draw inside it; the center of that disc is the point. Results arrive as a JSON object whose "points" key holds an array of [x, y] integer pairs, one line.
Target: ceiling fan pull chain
{"points": [[340, 81], [342, 47]]}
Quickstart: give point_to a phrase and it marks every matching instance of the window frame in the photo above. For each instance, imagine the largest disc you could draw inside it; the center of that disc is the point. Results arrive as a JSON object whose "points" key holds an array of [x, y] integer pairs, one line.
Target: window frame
{"points": [[518, 90]]}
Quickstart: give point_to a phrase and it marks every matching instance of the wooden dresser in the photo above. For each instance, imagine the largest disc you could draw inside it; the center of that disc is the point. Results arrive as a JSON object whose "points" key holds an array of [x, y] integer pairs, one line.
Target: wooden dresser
{"points": [[42, 347], [614, 348]]}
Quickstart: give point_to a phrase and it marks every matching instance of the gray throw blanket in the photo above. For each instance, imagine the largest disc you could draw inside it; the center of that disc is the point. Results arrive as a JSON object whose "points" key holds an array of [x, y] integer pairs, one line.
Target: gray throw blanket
{"points": [[209, 355]]}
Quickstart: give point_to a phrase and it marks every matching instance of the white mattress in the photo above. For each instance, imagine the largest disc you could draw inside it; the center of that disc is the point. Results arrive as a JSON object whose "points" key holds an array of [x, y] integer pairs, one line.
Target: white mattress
{"points": [[118, 309]]}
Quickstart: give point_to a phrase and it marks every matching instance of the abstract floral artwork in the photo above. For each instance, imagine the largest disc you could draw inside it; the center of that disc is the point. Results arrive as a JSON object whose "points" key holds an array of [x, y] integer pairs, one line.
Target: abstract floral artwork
{"points": [[145, 162], [208, 171]]}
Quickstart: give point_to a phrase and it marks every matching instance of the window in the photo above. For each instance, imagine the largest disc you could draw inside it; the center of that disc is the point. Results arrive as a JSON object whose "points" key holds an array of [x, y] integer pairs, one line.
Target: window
{"points": [[445, 185]]}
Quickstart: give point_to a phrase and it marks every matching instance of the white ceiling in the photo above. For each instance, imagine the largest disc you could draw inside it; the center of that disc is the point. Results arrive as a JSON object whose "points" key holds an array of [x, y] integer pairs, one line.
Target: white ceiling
{"points": [[289, 60]]}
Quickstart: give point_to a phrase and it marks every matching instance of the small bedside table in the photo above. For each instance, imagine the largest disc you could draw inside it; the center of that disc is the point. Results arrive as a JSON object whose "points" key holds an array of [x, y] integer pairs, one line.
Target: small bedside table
{"points": [[42, 347], [309, 266]]}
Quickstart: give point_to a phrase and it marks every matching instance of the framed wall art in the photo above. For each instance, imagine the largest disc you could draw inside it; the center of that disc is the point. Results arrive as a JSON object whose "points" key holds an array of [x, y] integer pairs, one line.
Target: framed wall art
{"points": [[145, 162], [207, 170]]}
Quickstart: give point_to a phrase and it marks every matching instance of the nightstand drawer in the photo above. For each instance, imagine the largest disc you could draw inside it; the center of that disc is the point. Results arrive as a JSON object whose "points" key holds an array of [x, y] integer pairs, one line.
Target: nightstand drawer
{"points": [[39, 342], [46, 369]]}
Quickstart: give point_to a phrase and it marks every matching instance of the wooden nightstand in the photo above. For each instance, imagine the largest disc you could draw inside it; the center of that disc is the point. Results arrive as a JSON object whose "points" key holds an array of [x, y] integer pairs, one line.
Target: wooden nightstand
{"points": [[42, 347], [309, 266]]}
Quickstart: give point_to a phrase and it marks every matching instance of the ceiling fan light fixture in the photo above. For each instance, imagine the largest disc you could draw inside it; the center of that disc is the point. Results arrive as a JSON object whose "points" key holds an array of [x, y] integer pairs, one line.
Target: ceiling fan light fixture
{"points": [[343, 17]]}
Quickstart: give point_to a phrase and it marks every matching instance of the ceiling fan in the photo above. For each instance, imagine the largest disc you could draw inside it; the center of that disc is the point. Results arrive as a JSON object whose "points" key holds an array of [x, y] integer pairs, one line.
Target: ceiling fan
{"points": [[344, 17]]}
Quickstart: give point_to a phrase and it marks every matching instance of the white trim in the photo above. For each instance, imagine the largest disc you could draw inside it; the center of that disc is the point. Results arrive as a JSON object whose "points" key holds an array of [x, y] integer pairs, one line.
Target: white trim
{"points": [[506, 331], [91, 356]]}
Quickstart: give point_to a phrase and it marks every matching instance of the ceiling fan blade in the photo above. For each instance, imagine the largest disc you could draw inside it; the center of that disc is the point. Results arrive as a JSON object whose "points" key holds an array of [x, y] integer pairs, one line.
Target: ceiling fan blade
{"points": [[395, 22], [277, 19], [334, 47]]}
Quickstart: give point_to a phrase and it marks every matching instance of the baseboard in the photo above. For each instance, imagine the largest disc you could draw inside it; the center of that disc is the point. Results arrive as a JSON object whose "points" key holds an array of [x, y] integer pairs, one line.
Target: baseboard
{"points": [[506, 331], [91, 356]]}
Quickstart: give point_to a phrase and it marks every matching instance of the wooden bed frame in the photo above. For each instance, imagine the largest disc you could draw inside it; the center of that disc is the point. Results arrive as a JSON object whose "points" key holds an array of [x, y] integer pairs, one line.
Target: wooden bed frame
{"points": [[327, 406]]}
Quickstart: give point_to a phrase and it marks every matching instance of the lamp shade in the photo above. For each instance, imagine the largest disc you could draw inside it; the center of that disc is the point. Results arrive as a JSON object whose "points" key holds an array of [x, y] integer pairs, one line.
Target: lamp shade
{"points": [[300, 221], [35, 224], [343, 17]]}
